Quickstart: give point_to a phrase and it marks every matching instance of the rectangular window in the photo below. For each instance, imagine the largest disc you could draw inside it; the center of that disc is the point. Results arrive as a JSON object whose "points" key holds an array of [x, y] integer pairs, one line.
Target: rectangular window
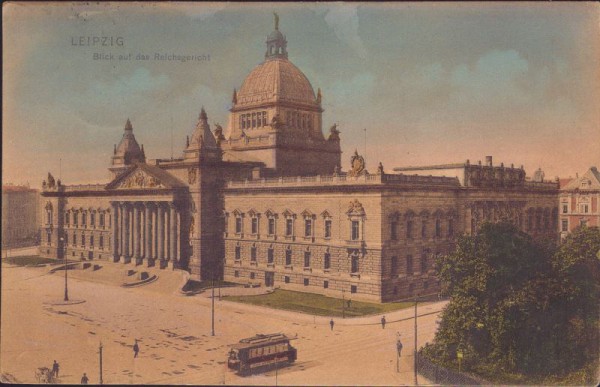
{"points": [[306, 282], [307, 227], [74, 239], [288, 257], [450, 227], [584, 208], [409, 229], [327, 261], [254, 120], [328, 228], [102, 218], [49, 238], [565, 208], [423, 229], [236, 274], [253, 254], [83, 219], [270, 255], [255, 226], [101, 242], [238, 253], [355, 230], [565, 225], [307, 259], [242, 122], [353, 289], [394, 230], [248, 121], [325, 284], [67, 218], [394, 269], [238, 225], [93, 219], [289, 227], [91, 241], [82, 240], [271, 226], [409, 264], [264, 118], [75, 219], [438, 228], [252, 275], [286, 279], [355, 266]]}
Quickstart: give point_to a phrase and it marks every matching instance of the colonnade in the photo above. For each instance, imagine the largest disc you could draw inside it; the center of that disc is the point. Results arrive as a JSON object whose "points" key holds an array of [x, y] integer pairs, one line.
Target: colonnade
{"points": [[146, 231]]}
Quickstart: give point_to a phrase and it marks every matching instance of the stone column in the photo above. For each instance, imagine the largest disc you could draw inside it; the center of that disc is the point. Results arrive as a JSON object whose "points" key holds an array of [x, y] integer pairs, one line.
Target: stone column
{"points": [[121, 231], [115, 231], [173, 236], [126, 221], [147, 239], [161, 234], [136, 233]]}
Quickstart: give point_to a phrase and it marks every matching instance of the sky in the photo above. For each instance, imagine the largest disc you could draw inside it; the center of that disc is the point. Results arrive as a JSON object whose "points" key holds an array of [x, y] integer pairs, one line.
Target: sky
{"points": [[428, 83]]}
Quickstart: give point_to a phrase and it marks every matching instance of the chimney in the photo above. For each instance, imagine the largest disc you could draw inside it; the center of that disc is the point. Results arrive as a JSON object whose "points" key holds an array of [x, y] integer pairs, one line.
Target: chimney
{"points": [[488, 161]]}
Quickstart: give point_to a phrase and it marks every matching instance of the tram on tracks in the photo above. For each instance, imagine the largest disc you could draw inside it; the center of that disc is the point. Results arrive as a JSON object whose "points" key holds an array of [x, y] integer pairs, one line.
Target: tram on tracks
{"points": [[261, 353]]}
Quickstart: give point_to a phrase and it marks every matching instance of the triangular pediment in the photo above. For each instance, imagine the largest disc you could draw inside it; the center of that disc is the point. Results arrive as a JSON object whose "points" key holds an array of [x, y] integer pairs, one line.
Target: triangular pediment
{"points": [[143, 176]]}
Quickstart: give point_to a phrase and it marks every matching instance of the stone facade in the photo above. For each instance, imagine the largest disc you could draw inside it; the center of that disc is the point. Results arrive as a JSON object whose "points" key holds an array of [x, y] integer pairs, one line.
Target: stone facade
{"points": [[579, 202], [268, 204]]}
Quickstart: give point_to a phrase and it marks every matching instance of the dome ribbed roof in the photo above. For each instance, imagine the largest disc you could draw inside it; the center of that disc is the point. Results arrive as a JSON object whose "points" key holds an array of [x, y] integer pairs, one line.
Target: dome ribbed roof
{"points": [[276, 80]]}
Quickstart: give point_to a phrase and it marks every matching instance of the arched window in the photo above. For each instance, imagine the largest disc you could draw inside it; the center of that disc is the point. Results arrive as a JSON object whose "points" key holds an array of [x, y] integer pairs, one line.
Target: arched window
{"points": [[354, 262]]}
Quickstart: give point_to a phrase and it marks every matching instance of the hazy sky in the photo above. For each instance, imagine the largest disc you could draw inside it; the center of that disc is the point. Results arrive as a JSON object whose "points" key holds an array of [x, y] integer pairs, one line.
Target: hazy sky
{"points": [[431, 82]]}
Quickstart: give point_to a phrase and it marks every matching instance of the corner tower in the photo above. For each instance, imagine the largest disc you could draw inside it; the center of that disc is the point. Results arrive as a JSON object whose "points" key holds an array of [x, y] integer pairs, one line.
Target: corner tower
{"points": [[127, 152], [276, 118]]}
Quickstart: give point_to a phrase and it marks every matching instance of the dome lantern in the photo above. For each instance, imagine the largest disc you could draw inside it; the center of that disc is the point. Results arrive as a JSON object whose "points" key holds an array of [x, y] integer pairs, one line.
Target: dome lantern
{"points": [[276, 42]]}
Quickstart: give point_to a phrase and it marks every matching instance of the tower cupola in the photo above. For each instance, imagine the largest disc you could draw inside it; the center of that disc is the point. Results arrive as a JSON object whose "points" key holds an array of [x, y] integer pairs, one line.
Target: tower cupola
{"points": [[203, 143], [276, 42]]}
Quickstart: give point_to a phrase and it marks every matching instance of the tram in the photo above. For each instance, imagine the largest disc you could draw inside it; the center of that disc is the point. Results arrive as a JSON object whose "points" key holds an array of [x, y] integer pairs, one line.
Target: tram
{"points": [[260, 353]]}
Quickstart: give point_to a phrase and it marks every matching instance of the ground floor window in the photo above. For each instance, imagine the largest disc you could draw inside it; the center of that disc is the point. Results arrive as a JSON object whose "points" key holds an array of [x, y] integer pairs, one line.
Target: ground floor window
{"points": [[565, 225], [306, 282], [325, 284], [353, 289], [286, 279], [252, 275], [236, 274]]}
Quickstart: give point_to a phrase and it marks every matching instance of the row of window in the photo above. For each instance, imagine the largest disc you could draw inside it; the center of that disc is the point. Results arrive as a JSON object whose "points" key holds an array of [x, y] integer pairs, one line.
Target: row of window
{"points": [[564, 226], [410, 229], [84, 218], [299, 120], [424, 264], [253, 120], [83, 240], [289, 231], [288, 258], [583, 208], [306, 281]]}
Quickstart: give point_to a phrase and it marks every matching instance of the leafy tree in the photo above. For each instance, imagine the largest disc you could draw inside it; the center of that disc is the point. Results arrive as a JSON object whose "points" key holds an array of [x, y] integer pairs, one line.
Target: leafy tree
{"points": [[516, 307]]}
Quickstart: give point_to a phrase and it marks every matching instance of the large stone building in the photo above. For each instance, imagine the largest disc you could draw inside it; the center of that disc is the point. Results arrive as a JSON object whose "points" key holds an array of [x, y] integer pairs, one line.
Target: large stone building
{"points": [[579, 201], [20, 224], [266, 202]]}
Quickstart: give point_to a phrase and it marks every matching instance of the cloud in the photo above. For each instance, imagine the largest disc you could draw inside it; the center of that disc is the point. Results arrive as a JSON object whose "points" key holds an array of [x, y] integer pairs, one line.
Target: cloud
{"points": [[343, 19]]}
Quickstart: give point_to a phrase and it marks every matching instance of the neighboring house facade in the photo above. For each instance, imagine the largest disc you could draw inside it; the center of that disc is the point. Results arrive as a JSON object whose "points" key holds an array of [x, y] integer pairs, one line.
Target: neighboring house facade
{"points": [[20, 224], [578, 201]]}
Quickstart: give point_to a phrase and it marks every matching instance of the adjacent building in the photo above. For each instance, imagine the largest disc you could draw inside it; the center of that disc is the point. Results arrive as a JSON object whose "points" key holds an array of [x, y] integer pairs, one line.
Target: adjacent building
{"points": [[20, 224], [578, 202], [265, 201]]}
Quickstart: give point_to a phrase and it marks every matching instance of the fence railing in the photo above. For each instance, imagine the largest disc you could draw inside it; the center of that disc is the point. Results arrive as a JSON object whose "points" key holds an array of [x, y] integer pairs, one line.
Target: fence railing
{"points": [[440, 375]]}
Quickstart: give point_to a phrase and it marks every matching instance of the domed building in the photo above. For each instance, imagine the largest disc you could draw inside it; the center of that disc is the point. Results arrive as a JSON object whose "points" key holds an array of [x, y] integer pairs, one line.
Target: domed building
{"points": [[276, 119], [264, 202]]}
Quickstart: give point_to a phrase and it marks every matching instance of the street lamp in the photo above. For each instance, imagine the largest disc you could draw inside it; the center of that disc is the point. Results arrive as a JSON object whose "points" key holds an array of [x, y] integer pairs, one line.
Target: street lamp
{"points": [[62, 249]]}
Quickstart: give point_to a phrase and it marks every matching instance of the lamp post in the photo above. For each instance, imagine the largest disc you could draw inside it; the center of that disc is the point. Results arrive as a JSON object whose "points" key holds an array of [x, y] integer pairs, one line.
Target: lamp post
{"points": [[213, 306], [343, 303], [62, 249]]}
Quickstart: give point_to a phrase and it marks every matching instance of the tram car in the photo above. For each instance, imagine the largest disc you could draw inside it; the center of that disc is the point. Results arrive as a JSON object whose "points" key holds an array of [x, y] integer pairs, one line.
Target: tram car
{"points": [[261, 353]]}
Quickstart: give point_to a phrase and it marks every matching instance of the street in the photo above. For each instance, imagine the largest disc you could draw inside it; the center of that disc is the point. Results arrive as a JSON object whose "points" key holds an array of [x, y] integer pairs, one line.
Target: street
{"points": [[174, 333]]}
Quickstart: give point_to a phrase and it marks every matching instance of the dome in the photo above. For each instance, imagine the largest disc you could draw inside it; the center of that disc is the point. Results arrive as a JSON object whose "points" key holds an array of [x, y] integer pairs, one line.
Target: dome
{"points": [[276, 80], [275, 35]]}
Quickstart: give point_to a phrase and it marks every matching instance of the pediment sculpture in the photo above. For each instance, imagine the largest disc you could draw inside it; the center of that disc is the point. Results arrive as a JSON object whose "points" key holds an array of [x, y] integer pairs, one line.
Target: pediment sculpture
{"points": [[140, 179]]}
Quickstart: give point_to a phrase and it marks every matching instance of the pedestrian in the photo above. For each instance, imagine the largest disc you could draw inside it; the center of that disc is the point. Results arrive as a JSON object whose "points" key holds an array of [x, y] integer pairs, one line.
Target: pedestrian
{"points": [[136, 349], [331, 324], [383, 322], [55, 368], [84, 379]]}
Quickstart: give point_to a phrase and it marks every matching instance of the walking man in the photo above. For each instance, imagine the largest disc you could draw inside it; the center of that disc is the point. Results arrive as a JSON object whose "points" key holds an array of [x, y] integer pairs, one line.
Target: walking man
{"points": [[383, 322], [331, 324], [84, 379], [136, 349], [55, 367]]}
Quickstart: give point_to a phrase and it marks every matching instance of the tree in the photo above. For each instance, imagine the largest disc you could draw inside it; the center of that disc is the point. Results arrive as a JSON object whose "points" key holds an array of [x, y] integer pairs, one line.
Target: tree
{"points": [[516, 307]]}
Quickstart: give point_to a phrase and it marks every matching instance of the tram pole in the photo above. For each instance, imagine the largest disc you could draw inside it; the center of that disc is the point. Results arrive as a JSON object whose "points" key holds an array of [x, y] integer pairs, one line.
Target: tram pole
{"points": [[100, 353], [213, 306], [416, 361]]}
